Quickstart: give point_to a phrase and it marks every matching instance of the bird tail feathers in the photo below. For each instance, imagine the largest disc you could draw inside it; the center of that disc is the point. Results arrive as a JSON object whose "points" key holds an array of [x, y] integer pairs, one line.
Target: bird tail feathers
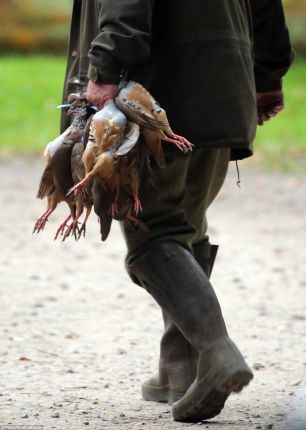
{"points": [[46, 185]]}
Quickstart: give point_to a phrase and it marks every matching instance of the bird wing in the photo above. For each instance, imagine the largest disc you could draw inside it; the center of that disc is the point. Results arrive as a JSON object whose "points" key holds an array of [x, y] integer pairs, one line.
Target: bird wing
{"points": [[87, 131], [130, 139], [53, 146], [73, 135], [77, 166], [102, 209], [46, 185], [135, 112], [62, 174]]}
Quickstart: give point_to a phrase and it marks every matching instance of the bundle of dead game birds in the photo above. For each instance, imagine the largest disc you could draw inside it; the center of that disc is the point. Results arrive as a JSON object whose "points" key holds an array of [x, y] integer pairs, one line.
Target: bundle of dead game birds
{"points": [[101, 159]]}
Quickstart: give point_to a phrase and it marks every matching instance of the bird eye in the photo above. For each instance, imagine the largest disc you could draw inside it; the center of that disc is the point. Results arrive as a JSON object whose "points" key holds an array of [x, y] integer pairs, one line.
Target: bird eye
{"points": [[124, 99]]}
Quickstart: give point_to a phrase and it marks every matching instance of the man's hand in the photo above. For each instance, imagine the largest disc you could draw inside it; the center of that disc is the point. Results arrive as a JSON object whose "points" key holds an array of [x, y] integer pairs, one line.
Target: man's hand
{"points": [[98, 93], [268, 105]]}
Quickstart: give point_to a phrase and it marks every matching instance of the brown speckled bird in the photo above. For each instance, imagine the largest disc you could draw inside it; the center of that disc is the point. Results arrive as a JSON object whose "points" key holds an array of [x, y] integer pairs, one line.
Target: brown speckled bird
{"points": [[140, 107], [57, 178], [84, 199], [111, 137], [54, 184], [104, 163]]}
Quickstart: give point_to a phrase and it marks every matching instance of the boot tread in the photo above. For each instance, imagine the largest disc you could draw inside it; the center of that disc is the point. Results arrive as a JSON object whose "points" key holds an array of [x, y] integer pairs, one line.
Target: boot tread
{"points": [[212, 403]]}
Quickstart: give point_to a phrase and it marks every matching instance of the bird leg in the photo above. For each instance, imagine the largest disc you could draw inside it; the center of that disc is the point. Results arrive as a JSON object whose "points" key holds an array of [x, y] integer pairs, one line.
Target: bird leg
{"points": [[137, 204], [83, 226], [136, 221], [114, 210], [80, 185], [73, 227], [60, 230], [179, 141], [41, 221]]}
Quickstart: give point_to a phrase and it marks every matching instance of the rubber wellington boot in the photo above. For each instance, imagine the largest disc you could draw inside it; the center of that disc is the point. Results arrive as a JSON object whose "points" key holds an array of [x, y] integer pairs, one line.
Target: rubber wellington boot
{"points": [[178, 359], [177, 367], [177, 282]]}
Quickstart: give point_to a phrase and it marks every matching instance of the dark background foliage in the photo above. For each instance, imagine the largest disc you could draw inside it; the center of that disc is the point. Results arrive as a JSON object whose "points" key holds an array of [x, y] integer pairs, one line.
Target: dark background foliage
{"points": [[31, 26]]}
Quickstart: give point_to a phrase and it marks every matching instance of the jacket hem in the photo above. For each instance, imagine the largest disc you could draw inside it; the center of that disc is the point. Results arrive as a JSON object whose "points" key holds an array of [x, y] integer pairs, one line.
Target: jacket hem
{"points": [[240, 148]]}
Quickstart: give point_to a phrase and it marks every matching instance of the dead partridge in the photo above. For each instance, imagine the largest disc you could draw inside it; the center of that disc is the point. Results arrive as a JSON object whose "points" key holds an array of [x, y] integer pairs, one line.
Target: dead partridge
{"points": [[79, 110], [54, 184], [57, 178], [84, 200], [110, 136], [140, 107]]}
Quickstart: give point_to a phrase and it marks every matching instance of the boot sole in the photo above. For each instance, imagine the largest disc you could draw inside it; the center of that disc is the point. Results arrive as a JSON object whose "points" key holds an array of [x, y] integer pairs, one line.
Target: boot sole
{"points": [[161, 394], [210, 404], [153, 393]]}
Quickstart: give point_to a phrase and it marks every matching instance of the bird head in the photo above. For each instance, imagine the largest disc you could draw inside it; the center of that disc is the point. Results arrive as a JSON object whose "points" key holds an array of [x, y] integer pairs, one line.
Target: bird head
{"points": [[78, 105]]}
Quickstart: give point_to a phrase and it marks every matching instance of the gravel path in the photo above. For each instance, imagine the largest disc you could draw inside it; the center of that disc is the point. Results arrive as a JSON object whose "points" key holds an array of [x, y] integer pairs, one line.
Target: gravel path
{"points": [[77, 338]]}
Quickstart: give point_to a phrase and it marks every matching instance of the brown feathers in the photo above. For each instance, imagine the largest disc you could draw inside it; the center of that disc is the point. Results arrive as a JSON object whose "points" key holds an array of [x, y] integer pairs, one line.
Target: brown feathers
{"points": [[100, 160]]}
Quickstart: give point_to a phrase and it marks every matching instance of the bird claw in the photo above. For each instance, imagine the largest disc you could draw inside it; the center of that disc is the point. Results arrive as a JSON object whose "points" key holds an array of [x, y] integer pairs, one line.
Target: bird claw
{"points": [[71, 229], [39, 225], [180, 141], [78, 187], [114, 210], [81, 230], [60, 230], [67, 233], [129, 219], [184, 142], [137, 205]]}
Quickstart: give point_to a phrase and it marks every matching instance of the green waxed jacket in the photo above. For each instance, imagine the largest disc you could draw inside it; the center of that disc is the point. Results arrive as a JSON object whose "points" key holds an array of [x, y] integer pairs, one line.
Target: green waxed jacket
{"points": [[196, 57]]}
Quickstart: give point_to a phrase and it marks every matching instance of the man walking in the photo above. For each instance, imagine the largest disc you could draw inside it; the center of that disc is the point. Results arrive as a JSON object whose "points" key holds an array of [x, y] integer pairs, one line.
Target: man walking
{"points": [[216, 67]]}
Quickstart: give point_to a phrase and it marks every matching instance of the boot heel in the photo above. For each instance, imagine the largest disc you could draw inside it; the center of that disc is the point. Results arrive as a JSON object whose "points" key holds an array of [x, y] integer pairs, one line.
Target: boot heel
{"points": [[236, 383]]}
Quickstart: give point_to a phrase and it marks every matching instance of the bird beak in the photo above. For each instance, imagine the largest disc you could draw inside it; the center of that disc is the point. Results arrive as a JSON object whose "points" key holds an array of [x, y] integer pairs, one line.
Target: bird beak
{"points": [[68, 105]]}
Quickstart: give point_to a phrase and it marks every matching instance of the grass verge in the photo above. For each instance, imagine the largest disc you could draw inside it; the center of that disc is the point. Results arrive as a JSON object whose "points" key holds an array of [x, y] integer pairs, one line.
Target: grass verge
{"points": [[32, 87]]}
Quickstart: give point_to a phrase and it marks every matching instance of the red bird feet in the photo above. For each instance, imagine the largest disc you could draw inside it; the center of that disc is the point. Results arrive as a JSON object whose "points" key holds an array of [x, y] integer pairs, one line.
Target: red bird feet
{"points": [[137, 205], [62, 227], [41, 221], [180, 142], [79, 187]]}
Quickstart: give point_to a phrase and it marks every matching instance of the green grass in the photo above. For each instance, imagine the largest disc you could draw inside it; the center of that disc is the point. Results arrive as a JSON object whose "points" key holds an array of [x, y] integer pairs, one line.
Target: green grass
{"points": [[281, 142], [32, 88]]}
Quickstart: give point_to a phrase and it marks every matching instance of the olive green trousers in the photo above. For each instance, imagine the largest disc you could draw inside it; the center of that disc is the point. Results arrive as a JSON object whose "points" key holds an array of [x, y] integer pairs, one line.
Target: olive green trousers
{"points": [[175, 207]]}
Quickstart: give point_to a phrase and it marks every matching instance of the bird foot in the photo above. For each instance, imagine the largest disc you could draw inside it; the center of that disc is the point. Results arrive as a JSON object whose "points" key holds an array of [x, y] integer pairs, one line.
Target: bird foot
{"points": [[180, 141], [83, 226], [137, 205], [40, 224], [79, 187], [114, 210], [81, 230], [60, 230], [71, 229], [136, 221]]}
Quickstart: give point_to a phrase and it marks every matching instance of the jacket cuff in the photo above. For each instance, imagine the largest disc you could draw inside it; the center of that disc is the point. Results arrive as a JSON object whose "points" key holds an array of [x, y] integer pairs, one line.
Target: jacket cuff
{"points": [[104, 68]]}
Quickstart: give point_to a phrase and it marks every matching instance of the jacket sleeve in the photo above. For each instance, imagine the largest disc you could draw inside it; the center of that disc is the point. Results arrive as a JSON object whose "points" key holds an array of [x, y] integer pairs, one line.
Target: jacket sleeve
{"points": [[124, 39], [273, 54]]}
